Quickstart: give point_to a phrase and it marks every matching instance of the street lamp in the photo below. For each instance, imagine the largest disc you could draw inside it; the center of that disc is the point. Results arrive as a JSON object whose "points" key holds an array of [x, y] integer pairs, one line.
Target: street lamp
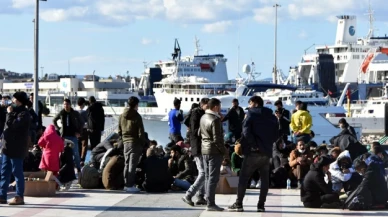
{"points": [[275, 68], [36, 58]]}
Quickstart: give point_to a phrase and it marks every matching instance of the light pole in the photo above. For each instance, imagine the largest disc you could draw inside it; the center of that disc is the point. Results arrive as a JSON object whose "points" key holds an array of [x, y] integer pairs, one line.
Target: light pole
{"points": [[36, 57], [41, 72], [275, 74]]}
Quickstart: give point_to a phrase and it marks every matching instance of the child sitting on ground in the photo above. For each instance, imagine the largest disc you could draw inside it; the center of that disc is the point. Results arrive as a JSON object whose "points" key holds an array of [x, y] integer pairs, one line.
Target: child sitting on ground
{"points": [[67, 173]]}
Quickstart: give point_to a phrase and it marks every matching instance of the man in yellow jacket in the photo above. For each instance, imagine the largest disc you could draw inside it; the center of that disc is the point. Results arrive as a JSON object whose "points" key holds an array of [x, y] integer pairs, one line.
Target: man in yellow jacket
{"points": [[301, 123]]}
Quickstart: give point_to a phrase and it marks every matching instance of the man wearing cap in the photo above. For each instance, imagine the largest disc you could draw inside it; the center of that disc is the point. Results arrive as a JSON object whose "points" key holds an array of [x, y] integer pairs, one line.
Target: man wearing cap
{"points": [[175, 117], [15, 147], [235, 116], [283, 116]]}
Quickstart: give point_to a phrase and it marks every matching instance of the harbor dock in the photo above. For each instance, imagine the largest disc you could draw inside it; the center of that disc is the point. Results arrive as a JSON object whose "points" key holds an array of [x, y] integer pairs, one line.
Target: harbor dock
{"points": [[103, 203]]}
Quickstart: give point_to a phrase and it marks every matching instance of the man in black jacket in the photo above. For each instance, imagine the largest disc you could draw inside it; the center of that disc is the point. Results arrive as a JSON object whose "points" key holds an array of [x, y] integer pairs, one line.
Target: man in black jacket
{"points": [[96, 121], [235, 116], [195, 142], [40, 110], [71, 129], [15, 147], [315, 192], [260, 132], [284, 118]]}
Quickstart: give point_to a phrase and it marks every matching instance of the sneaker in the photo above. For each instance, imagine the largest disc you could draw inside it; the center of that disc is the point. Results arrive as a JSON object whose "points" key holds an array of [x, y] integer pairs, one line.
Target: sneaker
{"points": [[260, 208], [201, 202], [214, 208], [188, 200], [16, 201], [253, 184], [132, 190], [236, 208]]}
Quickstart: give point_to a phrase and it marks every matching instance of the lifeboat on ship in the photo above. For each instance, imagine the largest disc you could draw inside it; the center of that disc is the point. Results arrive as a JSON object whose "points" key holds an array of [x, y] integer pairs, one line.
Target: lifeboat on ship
{"points": [[365, 64], [205, 66]]}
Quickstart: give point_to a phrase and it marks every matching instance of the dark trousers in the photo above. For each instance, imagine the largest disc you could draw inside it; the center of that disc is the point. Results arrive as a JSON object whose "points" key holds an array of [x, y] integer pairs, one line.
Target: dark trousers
{"points": [[236, 134], [95, 138], [251, 163], [83, 144], [324, 199], [212, 165], [132, 153], [176, 137]]}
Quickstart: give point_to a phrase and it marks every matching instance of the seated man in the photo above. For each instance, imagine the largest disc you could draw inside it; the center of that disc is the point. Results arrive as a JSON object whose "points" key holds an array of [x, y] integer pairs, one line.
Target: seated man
{"points": [[280, 173], [322, 151], [101, 150], [157, 175], [300, 161], [315, 192], [372, 193], [181, 168], [343, 175], [377, 146]]}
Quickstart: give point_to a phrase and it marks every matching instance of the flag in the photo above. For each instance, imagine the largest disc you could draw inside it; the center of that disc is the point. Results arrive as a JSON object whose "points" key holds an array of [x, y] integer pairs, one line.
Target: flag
{"points": [[348, 93]]}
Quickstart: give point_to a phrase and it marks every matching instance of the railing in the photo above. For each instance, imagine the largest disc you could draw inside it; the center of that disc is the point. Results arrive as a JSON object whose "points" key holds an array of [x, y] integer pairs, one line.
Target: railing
{"points": [[107, 134]]}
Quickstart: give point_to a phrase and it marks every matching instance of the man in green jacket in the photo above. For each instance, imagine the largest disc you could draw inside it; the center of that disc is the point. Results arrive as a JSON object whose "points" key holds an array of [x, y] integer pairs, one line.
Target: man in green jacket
{"points": [[131, 130]]}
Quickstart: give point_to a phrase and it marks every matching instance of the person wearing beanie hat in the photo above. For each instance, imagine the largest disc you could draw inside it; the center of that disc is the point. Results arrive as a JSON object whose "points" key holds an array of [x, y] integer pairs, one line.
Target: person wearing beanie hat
{"points": [[15, 147], [315, 192]]}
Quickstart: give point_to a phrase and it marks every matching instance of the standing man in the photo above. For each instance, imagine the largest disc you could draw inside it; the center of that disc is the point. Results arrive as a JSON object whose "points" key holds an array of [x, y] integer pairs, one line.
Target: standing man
{"points": [[131, 130], [283, 116], [40, 112], [83, 139], [175, 117], [96, 122], [301, 123], [195, 142], [213, 150], [15, 148], [260, 132], [71, 129], [235, 117]]}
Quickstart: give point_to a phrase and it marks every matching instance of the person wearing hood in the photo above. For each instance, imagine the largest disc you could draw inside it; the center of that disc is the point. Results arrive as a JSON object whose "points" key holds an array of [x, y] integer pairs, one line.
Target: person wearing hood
{"points": [[96, 121], [300, 160], [260, 132], [346, 128], [346, 141], [315, 192], [372, 193], [71, 129], [301, 123], [15, 147], [131, 131], [343, 174]]}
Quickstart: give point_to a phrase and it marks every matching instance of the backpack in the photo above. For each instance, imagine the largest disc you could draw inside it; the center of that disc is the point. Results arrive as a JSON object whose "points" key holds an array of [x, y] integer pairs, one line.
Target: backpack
{"points": [[89, 177], [112, 175]]}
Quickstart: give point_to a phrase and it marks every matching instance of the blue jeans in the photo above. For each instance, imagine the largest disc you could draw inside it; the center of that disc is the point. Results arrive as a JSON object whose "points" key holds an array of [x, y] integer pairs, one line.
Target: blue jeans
{"points": [[11, 166], [199, 184], [183, 184], [77, 157]]}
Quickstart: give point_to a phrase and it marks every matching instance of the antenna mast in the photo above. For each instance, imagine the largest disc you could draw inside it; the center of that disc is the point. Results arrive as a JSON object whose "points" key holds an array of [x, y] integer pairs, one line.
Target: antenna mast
{"points": [[371, 21], [197, 46]]}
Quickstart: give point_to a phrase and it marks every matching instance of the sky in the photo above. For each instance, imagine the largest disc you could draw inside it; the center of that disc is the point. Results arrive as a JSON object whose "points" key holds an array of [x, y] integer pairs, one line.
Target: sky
{"points": [[116, 36]]}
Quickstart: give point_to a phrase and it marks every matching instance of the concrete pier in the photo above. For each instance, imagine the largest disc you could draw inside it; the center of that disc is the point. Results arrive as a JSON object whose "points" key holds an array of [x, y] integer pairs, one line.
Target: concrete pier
{"points": [[102, 203]]}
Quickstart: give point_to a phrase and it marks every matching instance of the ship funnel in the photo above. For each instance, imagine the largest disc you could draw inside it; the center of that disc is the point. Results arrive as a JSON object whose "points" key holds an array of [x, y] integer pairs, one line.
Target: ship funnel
{"points": [[346, 30]]}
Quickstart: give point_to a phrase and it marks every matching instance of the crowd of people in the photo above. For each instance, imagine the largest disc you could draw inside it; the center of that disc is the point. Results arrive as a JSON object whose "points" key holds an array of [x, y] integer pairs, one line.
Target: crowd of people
{"points": [[265, 149]]}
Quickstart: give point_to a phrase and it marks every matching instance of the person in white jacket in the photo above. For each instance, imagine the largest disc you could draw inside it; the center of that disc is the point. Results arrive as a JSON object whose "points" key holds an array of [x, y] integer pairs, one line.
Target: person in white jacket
{"points": [[343, 174]]}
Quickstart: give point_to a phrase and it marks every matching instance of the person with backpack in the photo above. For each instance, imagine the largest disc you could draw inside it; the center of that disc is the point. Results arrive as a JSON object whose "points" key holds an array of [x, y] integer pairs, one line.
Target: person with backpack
{"points": [[260, 132]]}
